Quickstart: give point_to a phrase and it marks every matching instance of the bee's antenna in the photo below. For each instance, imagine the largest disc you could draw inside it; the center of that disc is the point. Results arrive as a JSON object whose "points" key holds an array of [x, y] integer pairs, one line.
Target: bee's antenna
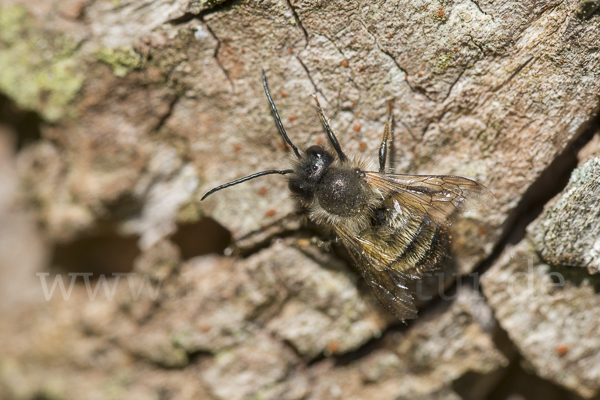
{"points": [[277, 119], [247, 178], [330, 133]]}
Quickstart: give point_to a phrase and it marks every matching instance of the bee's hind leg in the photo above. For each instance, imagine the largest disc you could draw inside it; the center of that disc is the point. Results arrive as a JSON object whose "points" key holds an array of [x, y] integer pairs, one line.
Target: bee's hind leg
{"points": [[320, 242], [325, 242]]}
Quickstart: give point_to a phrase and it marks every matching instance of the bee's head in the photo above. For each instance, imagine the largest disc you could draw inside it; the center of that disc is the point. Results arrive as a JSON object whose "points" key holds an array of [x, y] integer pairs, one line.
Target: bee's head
{"points": [[309, 171]]}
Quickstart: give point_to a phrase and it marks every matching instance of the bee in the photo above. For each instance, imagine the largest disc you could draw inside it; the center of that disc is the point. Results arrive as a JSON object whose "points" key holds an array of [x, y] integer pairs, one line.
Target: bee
{"points": [[395, 226]]}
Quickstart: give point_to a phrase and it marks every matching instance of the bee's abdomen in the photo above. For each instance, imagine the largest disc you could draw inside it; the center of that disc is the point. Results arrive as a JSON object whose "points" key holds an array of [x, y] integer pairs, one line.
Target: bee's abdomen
{"points": [[424, 243], [414, 243]]}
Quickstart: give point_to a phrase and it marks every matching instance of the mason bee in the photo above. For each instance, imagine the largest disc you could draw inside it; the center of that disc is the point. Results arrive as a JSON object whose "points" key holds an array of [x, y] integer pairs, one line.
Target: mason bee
{"points": [[395, 226]]}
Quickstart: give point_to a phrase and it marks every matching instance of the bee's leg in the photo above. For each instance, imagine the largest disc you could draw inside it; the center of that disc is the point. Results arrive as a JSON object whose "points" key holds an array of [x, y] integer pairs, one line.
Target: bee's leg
{"points": [[320, 242], [324, 242], [266, 233], [387, 141]]}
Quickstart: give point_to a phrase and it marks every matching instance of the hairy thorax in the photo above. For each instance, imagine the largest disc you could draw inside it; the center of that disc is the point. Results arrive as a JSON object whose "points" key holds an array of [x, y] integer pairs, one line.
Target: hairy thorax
{"points": [[343, 192], [344, 198]]}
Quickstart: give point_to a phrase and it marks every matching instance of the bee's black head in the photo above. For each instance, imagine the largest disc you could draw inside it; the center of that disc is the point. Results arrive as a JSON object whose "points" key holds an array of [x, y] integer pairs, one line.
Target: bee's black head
{"points": [[309, 171]]}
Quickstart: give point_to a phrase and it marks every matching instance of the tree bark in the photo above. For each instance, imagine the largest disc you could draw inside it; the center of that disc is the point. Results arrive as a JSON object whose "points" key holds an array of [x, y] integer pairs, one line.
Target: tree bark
{"points": [[143, 106]]}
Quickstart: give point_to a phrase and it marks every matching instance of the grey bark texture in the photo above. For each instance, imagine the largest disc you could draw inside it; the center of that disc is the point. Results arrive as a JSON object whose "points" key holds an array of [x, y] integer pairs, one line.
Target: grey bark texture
{"points": [[142, 106], [568, 232]]}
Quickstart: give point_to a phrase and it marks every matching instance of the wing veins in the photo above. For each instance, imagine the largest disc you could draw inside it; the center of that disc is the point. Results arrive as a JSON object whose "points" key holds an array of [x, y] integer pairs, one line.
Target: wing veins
{"points": [[396, 297], [439, 196]]}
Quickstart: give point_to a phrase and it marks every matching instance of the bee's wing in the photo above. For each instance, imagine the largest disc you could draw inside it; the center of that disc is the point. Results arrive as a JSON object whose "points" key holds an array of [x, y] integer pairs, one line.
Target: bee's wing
{"points": [[428, 202], [388, 284], [439, 196]]}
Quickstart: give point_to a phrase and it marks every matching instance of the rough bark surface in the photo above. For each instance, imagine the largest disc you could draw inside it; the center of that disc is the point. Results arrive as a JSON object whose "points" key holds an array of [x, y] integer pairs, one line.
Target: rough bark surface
{"points": [[568, 232], [116, 116]]}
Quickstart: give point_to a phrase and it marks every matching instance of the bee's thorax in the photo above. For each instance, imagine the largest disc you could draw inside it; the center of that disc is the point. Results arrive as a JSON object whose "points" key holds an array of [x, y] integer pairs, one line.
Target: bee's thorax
{"points": [[343, 192]]}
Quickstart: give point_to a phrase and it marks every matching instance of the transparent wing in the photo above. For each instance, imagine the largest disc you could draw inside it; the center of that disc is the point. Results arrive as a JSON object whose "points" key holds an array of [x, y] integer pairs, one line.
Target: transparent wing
{"points": [[388, 284], [439, 196]]}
